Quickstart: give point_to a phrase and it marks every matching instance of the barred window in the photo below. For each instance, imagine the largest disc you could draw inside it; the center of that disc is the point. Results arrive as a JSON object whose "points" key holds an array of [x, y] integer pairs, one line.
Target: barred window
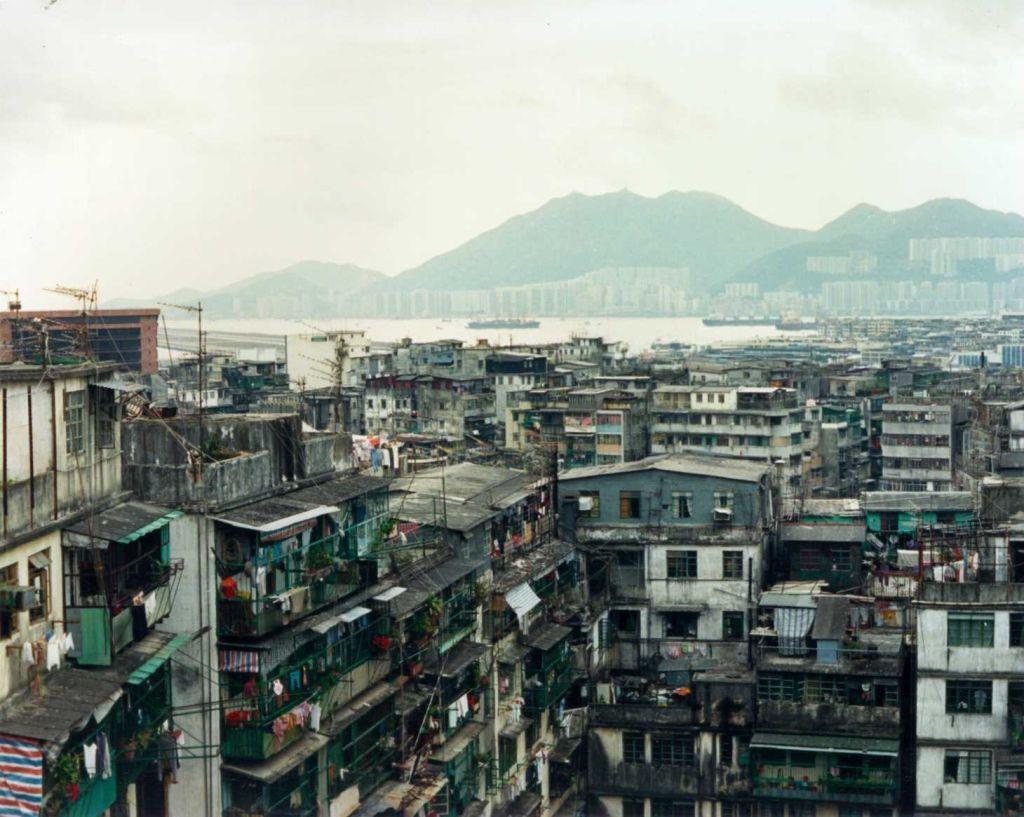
{"points": [[672, 750], [633, 747], [1017, 629], [74, 421], [681, 564], [732, 564], [969, 697], [967, 767]]}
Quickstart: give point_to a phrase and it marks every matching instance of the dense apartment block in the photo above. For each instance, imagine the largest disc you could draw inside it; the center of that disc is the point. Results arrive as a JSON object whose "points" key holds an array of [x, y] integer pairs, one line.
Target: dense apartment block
{"points": [[917, 447], [760, 423]]}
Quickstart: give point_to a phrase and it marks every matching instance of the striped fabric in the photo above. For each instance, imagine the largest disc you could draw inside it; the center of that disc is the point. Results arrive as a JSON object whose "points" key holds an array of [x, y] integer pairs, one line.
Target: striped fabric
{"points": [[21, 777], [235, 661]]}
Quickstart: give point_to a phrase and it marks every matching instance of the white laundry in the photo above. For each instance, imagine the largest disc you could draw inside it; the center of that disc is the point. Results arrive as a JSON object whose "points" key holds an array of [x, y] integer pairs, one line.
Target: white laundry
{"points": [[53, 653], [26, 653], [314, 717], [89, 751]]}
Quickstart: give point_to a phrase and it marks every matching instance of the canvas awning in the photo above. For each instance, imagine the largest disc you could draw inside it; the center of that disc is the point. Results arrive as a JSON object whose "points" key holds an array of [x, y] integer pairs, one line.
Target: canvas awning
{"points": [[351, 615]]}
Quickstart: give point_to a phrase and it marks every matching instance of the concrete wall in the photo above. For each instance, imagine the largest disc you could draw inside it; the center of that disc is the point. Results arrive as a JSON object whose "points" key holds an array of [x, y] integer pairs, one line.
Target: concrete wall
{"points": [[194, 668]]}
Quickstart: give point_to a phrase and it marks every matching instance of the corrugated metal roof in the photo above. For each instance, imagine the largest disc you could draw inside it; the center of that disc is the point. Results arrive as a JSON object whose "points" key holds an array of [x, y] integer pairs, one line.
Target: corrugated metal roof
{"points": [[125, 522], [522, 599], [706, 465], [458, 742], [272, 514], [917, 501], [283, 762], [822, 532], [826, 743], [456, 659], [545, 635], [830, 620], [340, 489], [357, 707]]}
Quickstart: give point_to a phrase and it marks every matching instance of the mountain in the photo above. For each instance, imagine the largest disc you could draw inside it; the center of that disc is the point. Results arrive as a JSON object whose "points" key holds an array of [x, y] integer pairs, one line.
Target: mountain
{"points": [[885, 233], [576, 234], [304, 289]]}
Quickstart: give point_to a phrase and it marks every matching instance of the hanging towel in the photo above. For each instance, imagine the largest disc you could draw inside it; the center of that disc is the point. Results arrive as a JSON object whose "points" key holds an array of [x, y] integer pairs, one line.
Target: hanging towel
{"points": [[314, 717], [67, 643], [89, 752], [26, 653], [102, 756], [53, 654]]}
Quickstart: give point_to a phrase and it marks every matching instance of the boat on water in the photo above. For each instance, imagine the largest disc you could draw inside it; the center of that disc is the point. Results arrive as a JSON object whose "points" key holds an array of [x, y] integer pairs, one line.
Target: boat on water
{"points": [[503, 323], [739, 321], [796, 325]]}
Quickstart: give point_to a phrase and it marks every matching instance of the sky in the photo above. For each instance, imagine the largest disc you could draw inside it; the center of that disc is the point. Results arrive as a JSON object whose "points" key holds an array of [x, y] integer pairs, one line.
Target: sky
{"points": [[151, 145]]}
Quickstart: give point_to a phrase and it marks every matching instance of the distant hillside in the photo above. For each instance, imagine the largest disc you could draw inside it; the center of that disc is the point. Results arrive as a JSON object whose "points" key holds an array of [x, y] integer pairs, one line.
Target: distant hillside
{"points": [[573, 235], [309, 288], [885, 233]]}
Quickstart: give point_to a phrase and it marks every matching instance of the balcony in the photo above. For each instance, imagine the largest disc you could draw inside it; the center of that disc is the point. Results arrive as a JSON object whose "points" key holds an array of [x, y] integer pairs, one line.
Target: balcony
{"points": [[883, 721], [547, 694], [640, 779], [881, 792]]}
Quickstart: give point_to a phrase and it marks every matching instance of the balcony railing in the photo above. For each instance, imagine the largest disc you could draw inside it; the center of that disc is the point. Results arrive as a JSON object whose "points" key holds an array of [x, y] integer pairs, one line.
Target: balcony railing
{"points": [[851, 790], [539, 698], [642, 779]]}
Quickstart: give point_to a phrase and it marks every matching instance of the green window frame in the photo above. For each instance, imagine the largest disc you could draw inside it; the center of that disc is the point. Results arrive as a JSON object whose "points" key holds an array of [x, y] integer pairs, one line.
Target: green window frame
{"points": [[966, 766], [74, 421], [732, 564], [681, 564], [970, 629], [733, 625], [968, 697]]}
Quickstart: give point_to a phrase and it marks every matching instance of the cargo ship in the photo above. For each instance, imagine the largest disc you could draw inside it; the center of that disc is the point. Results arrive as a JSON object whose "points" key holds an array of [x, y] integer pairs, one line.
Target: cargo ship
{"points": [[504, 323], [739, 321]]}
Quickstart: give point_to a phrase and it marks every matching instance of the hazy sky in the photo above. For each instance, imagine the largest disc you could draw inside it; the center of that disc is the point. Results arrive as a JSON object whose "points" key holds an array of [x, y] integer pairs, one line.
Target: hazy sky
{"points": [[153, 145]]}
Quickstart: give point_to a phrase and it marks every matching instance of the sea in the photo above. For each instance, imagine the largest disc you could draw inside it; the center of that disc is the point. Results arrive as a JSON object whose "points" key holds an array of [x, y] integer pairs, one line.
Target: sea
{"points": [[637, 333]]}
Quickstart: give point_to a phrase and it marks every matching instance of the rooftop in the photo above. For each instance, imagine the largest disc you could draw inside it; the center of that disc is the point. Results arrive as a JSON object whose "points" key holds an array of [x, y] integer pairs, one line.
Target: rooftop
{"points": [[696, 464]]}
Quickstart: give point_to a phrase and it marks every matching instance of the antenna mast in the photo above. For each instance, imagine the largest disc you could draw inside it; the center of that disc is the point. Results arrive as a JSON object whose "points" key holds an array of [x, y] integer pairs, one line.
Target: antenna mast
{"points": [[87, 298]]}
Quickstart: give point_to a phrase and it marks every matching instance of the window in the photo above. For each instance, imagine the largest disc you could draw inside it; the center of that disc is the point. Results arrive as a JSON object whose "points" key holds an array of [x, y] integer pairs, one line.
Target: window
{"points": [[633, 747], [724, 500], [106, 418], [8, 576], [672, 750], [1015, 697], [682, 504], [780, 688], [732, 625], [967, 767], [732, 564], [590, 504], [810, 559], [721, 398], [851, 811], [680, 624], [38, 577], [626, 622], [1017, 629], [841, 559], [672, 808], [74, 421], [969, 697], [632, 807], [629, 504], [970, 629], [681, 564], [725, 750]]}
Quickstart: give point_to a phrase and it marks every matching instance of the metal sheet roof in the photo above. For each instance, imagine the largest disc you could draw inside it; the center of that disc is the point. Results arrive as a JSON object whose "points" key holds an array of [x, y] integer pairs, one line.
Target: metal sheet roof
{"points": [[917, 501], [826, 743], [70, 696], [340, 489], [823, 532], [830, 620], [444, 574], [704, 465], [273, 514], [456, 659], [545, 636], [283, 762], [515, 728], [522, 599], [358, 707], [458, 742], [124, 523]]}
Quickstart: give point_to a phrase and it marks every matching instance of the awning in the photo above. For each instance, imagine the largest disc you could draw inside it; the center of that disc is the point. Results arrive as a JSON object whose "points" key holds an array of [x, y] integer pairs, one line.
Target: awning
{"points": [[826, 743], [357, 707], [351, 615], [283, 762], [522, 599], [159, 659], [513, 653], [515, 729], [39, 560], [270, 515], [122, 524], [457, 743], [390, 593], [565, 750], [456, 659], [545, 636]]}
